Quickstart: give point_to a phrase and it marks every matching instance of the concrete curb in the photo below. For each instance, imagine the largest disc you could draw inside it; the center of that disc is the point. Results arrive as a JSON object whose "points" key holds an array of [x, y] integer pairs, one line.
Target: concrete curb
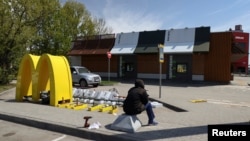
{"points": [[64, 129]]}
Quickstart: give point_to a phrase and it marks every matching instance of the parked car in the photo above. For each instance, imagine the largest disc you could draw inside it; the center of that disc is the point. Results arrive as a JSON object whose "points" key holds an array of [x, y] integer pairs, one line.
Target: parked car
{"points": [[82, 76]]}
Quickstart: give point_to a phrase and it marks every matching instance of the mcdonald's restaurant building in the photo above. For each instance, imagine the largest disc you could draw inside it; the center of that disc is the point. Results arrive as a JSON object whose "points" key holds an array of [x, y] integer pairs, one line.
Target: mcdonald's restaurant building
{"points": [[189, 54]]}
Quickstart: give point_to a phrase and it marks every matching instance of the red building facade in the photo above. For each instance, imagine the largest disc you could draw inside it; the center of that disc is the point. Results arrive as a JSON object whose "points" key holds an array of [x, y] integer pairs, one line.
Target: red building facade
{"points": [[190, 54], [240, 57]]}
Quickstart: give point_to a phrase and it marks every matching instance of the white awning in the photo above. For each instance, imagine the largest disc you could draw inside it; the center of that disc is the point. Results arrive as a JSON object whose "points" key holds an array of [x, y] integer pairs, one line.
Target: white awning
{"points": [[179, 40], [125, 43]]}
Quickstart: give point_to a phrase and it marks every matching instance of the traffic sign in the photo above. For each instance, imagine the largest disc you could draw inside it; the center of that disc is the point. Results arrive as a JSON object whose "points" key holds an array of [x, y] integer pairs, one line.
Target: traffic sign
{"points": [[161, 54], [109, 54]]}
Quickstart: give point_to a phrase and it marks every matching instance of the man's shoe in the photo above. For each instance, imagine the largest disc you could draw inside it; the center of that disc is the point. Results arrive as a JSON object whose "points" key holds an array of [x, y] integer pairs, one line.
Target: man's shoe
{"points": [[154, 123]]}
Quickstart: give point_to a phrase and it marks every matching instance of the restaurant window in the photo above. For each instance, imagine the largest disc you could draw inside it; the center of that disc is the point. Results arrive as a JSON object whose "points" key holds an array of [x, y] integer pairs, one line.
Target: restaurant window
{"points": [[181, 68], [241, 45]]}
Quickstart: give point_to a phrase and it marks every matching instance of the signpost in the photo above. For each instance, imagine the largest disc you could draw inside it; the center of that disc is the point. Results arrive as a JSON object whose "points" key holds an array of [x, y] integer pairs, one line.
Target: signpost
{"points": [[109, 57], [161, 60]]}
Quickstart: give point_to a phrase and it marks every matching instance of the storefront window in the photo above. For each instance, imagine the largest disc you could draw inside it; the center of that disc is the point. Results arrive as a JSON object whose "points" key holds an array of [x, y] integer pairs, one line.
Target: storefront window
{"points": [[181, 68], [242, 45]]}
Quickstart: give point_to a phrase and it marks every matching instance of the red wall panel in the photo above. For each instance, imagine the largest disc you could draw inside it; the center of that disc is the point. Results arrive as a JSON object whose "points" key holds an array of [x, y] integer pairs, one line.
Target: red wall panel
{"points": [[217, 61]]}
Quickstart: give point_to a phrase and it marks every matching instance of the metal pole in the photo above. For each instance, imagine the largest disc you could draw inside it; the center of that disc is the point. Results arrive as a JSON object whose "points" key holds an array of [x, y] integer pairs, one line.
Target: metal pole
{"points": [[160, 81], [161, 60], [109, 70]]}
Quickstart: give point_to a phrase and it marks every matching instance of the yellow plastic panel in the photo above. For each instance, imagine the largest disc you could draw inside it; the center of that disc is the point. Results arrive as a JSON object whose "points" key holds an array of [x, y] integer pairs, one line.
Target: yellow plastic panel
{"points": [[79, 107], [95, 107], [73, 106], [114, 110], [53, 74], [106, 108], [25, 76]]}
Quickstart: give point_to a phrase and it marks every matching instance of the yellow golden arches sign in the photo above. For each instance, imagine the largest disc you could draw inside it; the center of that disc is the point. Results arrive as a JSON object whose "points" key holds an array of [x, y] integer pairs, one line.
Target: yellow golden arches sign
{"points": [[51, 73], [26, 71]]}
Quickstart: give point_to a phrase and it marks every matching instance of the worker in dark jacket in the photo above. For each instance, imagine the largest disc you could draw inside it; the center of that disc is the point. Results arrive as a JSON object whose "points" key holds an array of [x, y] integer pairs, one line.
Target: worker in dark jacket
{"points": [[137, 101]]}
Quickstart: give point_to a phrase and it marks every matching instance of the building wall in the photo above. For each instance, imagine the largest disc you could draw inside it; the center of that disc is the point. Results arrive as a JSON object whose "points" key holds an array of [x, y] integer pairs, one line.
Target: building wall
{"points": [[217, 61], [198, 67], [198, 64], [99, 63], [148, 66], [206, 56], [240, 61], [74, 60], [147, 63]]}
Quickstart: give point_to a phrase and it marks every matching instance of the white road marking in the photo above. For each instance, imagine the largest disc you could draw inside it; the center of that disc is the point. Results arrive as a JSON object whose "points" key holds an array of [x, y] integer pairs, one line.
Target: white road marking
{"points": [[227, 102], [60, 138]]}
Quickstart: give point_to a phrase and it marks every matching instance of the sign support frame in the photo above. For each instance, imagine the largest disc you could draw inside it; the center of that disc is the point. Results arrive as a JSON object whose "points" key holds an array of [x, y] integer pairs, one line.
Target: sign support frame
{"points": [[161, 60]]}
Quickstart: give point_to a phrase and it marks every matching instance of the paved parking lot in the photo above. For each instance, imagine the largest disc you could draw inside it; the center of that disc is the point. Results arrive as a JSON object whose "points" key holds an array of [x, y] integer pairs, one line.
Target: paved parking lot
{"points": [[188, 109], [10, 131]]}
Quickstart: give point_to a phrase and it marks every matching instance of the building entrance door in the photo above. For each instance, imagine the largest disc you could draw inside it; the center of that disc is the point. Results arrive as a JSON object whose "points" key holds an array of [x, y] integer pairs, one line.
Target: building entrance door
{"points": [[180, 67], [128, 67]]}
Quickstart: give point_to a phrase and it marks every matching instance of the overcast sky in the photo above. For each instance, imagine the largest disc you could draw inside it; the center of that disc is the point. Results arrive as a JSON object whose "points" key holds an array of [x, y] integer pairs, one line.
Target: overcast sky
{"points": [[140, 15]]}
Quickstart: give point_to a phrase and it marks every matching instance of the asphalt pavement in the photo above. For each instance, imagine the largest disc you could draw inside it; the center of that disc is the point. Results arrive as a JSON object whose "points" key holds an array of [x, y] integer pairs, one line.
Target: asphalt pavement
{"points": [[188, 109]]}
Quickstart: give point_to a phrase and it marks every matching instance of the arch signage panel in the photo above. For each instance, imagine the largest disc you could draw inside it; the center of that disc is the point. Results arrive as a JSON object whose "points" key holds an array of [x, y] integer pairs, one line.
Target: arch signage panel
{"points": [[52, 73]]}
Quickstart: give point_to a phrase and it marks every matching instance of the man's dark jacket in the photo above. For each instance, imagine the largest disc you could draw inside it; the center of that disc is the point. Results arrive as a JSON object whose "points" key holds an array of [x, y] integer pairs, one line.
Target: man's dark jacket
{"points": [[136, 99]]}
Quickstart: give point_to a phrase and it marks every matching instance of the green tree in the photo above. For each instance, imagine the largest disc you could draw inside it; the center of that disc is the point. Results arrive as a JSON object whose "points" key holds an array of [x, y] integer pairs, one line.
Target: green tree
{"points": [[58, 26], [14, 34], [47, 28], [41, 26], [101, 27]]}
